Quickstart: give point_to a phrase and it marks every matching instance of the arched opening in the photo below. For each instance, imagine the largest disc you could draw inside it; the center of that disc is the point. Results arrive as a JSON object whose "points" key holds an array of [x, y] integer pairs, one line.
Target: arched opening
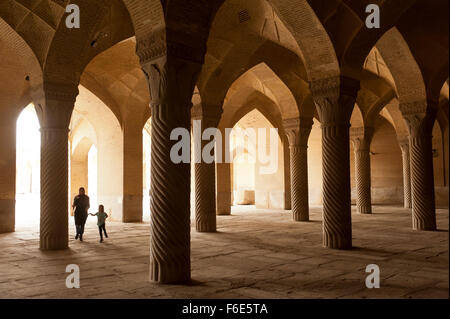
{"points": [[257, 170], [243, 177], [28, 142], [97, 154]]}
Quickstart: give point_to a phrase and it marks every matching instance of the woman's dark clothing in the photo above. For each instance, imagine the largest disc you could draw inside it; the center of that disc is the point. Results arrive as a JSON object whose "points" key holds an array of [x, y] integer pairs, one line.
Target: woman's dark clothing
{"points": [[81, 204]]}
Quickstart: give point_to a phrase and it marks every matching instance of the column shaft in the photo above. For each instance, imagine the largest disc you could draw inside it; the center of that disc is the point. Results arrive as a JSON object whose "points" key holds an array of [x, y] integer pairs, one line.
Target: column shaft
{"points": [[224, 195], [7, 173], [422, 183], [335, 99], [132, 173], [287, 175], [54, 104], [406, 175], [337, 221], [298, 131], [299, 183], [363, 188], [172, 81], [54, 229], [361, 138], [205, 197], [205, 178], [170, 202], [420, 117]]}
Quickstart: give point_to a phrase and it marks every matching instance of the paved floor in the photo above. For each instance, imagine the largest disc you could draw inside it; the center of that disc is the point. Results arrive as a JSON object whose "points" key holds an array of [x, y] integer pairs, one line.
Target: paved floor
{"points": [[255, 254]]}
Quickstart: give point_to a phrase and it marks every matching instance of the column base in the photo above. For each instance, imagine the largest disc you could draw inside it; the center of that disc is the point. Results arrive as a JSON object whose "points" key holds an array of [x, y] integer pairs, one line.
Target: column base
{"points": [[7, 215], [206, 227], [169, 274], [365, 210], [7, 229], [54, 243], [223, 203], [301, 217], [132, 209], [335, 242], [421, 225]]}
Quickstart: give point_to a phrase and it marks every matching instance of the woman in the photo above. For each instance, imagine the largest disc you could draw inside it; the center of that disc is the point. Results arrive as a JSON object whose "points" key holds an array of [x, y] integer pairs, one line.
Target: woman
{"points": [[81, 205]]}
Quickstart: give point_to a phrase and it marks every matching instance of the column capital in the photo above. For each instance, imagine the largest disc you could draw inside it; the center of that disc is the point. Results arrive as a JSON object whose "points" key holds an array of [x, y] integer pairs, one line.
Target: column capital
{"points": [[298, 131], [162, 44], [419, 117], [361, 137], [335, 99], [175, 76], [325, 88], [403, 142], [54, 103]]}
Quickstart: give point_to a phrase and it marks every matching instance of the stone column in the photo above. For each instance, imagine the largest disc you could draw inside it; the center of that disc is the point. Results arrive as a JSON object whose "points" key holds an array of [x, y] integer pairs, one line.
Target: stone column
{"points": [[7, 172], [298, 131], [224, 176], [420, 125], [132, 171], [361, 138], [335, 105], [224, 195], [205, 173], [54, 111], [287, 205], [172, 70], [404, 145]]}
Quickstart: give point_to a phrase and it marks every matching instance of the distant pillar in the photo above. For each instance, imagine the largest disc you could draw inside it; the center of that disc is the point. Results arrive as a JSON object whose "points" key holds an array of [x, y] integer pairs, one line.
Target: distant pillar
{"points": [[132, 171], [298, 131], [404, 145], [420, 126], [205, 173], [361, 138]]}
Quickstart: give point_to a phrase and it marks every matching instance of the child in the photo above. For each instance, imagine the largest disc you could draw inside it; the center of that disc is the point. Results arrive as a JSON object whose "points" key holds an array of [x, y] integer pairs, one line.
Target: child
{"points": [[101, 217]]}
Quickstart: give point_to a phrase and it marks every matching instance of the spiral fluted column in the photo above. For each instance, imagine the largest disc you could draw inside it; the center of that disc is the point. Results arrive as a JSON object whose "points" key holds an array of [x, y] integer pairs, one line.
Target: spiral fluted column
{"points": [[205, 173], [404, 145], [172, 80], [287, 205], [361, 138], [298, 131], [54, 189], [54, 108], [335, 104], [420, 126]]}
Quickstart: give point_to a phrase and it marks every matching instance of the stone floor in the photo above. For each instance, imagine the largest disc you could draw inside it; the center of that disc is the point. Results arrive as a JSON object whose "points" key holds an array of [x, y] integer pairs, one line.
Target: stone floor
{"points": [[255, 254]]}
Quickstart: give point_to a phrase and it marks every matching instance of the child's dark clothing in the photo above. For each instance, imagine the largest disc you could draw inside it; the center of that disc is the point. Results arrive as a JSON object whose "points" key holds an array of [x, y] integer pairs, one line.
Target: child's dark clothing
{"points": [[101, 217], [100, 228]]}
